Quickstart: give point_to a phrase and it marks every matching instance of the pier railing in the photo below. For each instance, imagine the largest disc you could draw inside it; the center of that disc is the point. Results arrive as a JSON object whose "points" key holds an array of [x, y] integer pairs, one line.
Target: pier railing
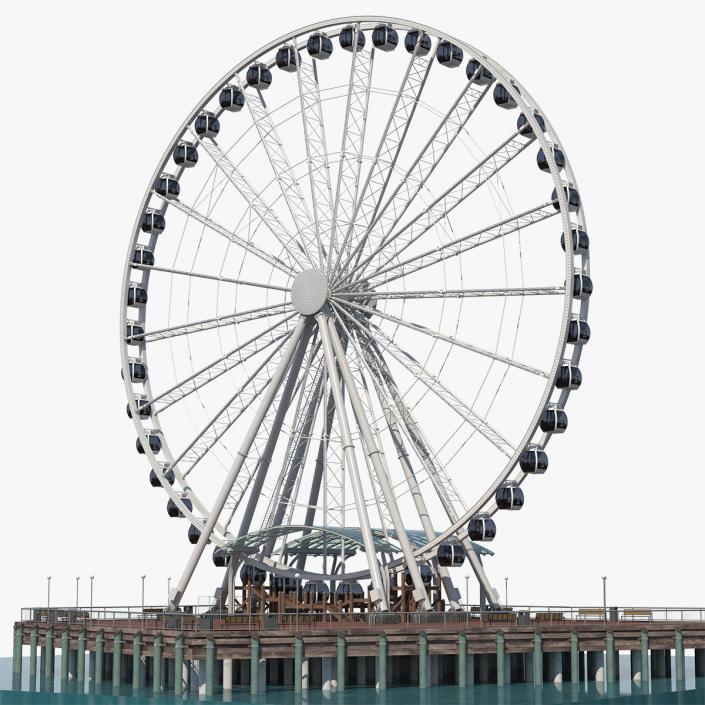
{"points": [[201, 618]]}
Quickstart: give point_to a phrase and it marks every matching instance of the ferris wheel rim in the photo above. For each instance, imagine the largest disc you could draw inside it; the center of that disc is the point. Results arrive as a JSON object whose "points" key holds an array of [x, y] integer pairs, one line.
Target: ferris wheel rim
{"points": [[521, 98]]}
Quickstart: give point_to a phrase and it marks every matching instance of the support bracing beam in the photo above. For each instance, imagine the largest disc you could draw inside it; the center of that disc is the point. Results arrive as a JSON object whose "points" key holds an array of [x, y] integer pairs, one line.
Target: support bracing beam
{"points": [[374, 454], [379, 594], [422, 449], [267, 398]]}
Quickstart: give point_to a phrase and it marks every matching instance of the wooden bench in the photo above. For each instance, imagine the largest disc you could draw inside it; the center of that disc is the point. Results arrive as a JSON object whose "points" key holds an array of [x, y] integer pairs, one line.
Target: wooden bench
{"points": [[550, 617], [638, 615], [591, 613]]}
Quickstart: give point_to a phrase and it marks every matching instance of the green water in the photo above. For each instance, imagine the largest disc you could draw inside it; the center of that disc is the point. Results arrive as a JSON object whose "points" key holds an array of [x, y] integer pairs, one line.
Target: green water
{"points": [[660, 692]]}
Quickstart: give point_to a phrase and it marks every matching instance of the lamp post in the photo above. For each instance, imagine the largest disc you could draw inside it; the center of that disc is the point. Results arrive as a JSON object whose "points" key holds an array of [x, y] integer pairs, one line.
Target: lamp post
{"points": [[91, 577], [604, 595], [168, 589], [298, 592], [467, 592], [506, 592], [143, 577], [48, 594], [77, 579]]}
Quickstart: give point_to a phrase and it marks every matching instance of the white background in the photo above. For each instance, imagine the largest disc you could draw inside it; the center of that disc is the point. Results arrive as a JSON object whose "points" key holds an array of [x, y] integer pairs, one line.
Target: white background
{"points": [[91, 95]]}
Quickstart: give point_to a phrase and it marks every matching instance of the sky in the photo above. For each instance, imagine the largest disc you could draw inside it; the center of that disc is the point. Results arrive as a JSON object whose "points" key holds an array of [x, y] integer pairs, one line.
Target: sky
{"points": [[94, 94]]}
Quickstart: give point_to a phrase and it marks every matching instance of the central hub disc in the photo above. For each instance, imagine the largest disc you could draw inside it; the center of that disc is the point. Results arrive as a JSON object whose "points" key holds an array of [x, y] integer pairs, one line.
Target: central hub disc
{"points": [[309, 292]]}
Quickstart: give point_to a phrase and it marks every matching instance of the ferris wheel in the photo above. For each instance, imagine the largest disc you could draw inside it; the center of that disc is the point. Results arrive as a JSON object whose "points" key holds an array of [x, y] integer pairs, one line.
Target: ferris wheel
{"points": [[353, 307]]}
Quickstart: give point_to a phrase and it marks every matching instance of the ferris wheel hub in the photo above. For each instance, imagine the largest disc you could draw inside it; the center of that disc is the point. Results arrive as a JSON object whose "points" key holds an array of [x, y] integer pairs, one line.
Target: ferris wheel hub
{"points": [[309, 292]]}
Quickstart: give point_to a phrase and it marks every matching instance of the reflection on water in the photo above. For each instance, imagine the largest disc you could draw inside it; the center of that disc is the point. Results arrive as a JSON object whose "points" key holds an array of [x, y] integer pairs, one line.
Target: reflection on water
{"points": [[658, 692]]}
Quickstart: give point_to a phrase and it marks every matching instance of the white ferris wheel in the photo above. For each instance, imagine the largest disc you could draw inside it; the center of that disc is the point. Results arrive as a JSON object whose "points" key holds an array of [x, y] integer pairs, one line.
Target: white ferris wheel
{"points": [[353, 307]]}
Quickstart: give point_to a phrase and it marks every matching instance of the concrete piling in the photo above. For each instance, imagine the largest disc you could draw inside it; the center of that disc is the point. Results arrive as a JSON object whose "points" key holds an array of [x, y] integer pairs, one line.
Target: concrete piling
{"points": [[381, 680], [117, 661], [423, 660], [538, 659], [340, 662], [680, 656], [157, 664], [33, 641], [210, 667]]}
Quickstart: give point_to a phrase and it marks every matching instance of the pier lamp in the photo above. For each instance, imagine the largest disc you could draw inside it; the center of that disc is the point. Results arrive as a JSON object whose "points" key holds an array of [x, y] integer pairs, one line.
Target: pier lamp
{"points": [[91, 577], [604, 595], [467, 592], [506, 592], [168, 589], [48, 592], [77, 579], [143, 577]]}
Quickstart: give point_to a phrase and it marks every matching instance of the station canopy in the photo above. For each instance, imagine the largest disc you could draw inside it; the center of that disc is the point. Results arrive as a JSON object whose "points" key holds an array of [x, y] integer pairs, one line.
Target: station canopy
{"points": [[317, 540]]}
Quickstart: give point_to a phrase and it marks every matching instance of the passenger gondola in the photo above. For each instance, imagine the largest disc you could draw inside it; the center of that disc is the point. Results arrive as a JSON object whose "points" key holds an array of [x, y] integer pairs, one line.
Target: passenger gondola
{"points": [[524, 126], [558, 157], [155, 444], [553, 420], [534, 461], [510, 497], [571, 194], [569, 377], [503, 98], [152, 222], [385, 38], [346, 38], [578, 332], [482, 528], [450, 555], [449, 55], [206, 125], [415, 38], [185, 154], [319, 46], [288, 59], [167, 186], [143, 256], [477, 73], [232, 98], [136, 296]]}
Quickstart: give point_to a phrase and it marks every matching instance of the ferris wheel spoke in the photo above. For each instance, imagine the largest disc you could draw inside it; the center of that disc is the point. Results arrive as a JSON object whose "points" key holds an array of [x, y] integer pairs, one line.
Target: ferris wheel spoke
{"points": [[223, 364], [351, 150], [460, 245], [317, 153], [387, 153], [411, 294], [419, 372], [436, 335], [414, 180], [212, 277], [228, 414], [379, 595], [253, 314], [281, 167], [255, 201], [480, 174], [448, 493], [232, 236]]}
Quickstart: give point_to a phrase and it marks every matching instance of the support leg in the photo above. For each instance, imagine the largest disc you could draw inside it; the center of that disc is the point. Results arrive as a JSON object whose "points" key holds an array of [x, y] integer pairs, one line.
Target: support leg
{"points": [[81, 663], [136, 663], [340, 662], [33, 640], [157, 664], [538, 659]]}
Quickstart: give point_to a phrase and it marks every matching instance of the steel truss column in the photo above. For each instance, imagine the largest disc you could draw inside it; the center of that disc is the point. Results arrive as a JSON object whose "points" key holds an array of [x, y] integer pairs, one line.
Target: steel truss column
{"points": [[266, 401], [266, 457], [379, 594], [421, 447], [374, 453], [451, 591]]}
